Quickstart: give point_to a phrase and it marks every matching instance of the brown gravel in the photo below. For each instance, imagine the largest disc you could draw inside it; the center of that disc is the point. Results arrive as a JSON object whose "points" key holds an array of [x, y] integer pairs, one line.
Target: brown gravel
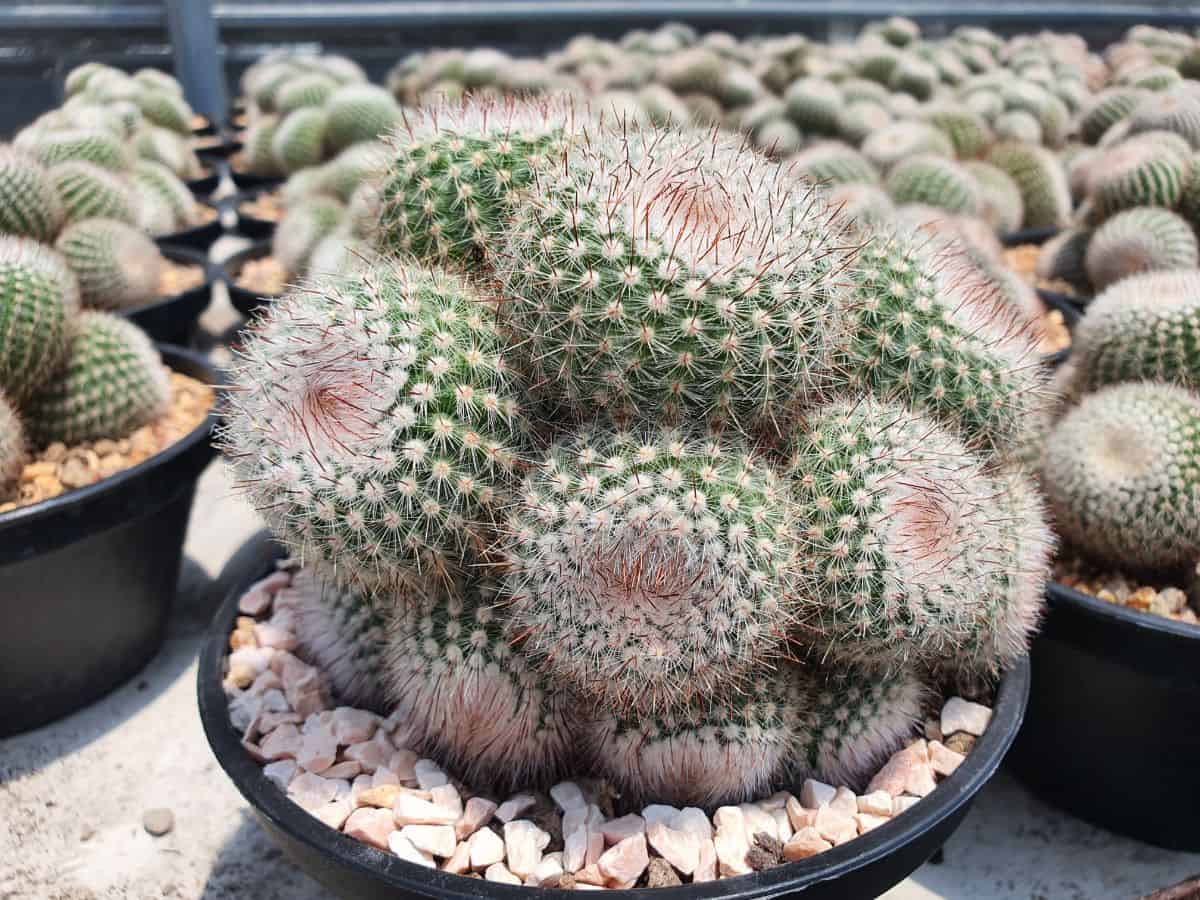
{"points": [[207, 142], [59, 468], [1055, 334], [266, 206], [264, 277], [1023, 258], [198, 121], [177, 278], [1169, 601]]}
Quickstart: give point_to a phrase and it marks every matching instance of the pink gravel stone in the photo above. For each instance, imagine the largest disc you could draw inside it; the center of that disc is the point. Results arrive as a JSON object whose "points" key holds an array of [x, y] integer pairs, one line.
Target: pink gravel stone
{"points": [[835, 826], [523, 846], [412, 810], [549, 872], [616, 830], [963, 715], [731, 841], [269, 721], [583, 840], [348, 770], [515, 806], [694, 820], [281, 772], [876, 803], [567, 795], [590, 875], [867, 822], [459, 862], [486, 848], [659, 812], [944, 760], [446, 797], [403, 848], [371, 826], [438, 840], [269, 635], [353, 726], [498, 872], [318, 751], [903, 804], [845, 800], [336, 813], [257, 599], [384, 776], [896, 772], [680, 848], [815, 794], [403, 763], [282, 743], [799, 815], [783, 825], [706, 866], [758, 821], [805, 843], [429, 774], [371, 755], [477, 813], [625, 862]]}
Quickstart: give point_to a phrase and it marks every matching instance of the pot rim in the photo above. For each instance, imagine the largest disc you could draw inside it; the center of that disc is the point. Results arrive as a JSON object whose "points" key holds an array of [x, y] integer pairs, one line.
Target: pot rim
{"points": [[1058, 594], [25, 516], [408, 878]]}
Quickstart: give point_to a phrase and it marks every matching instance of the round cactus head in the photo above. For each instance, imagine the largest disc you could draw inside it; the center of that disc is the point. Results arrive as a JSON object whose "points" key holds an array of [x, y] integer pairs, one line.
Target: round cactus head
{"points": [[1119, 475], [98, 147], [1136, 173], [375, 425], [90, 192], [14, 452], [118, 266], [29, 204], [359, 112], [649, 569], [936, 181], [1142, 239]]}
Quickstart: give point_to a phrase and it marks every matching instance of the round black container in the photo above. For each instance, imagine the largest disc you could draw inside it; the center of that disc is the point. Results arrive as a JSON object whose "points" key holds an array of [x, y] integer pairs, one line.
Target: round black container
{"points": [[1028, 236], [1112, 734], [200, 237], [865, 867], [175, 319], [205, 129], [244, 301], [251, 226], [205, 185], [88, 577], [244, 181], [215, 154]]}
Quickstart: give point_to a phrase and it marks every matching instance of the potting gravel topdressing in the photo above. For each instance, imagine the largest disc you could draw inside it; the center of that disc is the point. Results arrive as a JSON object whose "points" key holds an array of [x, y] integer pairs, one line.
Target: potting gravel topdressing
{"points": [[360, 772]]}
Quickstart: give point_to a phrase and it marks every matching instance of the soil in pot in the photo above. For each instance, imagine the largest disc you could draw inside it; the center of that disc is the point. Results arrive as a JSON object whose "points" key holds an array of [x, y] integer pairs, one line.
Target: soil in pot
{"points": [[263, 277], [351, 770], [1167, 597], [267, 206], [1023, 259]]}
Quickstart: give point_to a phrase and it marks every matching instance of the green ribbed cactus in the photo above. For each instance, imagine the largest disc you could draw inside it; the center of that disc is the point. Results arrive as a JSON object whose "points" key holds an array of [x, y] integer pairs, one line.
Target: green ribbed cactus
{"points": [[942, 345], [166, 110], [14, 451], [305, 90], [29, 202], [89, 192], [936, 181], [364, 162], [1000, 203], [456, 168], [728, 749], [814, 104], [1142, 239], [299, 140], [359, 112], [648, 569], [101, 148], [651, 275], [834, 163], [258, 147], [76, 81], [966, 129], [903, 139], [1108, 108], [1039, 176], [118, 267], [1189, 200], [39, 296], [169, 149], [914, 76], [777, 138], [915, 553], [1177, 111], [1118, 475], [165, 203], [158, 80], [1141, 329], [302, 227], [389, 422], [113, 382], [1135, 173], [1018, 125], [860, 118]]}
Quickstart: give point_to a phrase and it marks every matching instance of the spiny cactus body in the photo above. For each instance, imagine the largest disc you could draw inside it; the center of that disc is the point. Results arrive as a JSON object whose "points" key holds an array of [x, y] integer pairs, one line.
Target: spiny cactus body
{"points": [[111, 384], [903, 139], [967, 130], [165, 109], [1039, 176], [1119, 473], [118, 267], [359, 112], [258, 147], [166, 205], [100, 148], [1136, 173], [299, 140], [14, 452], [29, 204], [388, 422], [813, 104], [833, 163], [1142, 239], [1000, 203], [305, 90], [39, 295], [1177, 111], [302, 228], [89, 192], [1109, 107], [936, 181]]}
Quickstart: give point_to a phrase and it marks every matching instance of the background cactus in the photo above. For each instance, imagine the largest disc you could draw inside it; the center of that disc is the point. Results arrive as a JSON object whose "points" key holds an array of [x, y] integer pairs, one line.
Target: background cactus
{"points": [[112, 383], [302, 228], [1142, 239], [90, 192], [1117, 472], [936, 181], [299, 140], [165, 204], [359, 112], [1039, 176], [903, 139], [832, 163], [100, 148], [14, 451], [39, 295], [29, 203], [1000, 203], [1136, 173], [118, 267]]}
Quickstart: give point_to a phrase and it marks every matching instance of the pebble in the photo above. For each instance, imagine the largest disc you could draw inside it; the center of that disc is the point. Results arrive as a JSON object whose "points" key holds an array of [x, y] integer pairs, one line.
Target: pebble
{"points": [[944, 760], [706, 868], [158, 821], [695, 820], [805, 843], [548, 872], [568, 795], [625, 862], [963, 715], [659, 873], [412, 810], [429, 775], [845, 800], [371, 826], [459, 862], [902, 769], [336, 813], [523, 846], [438, 840], [866, 821], [403, 848], [815, 794], [282, 743], [486, 848], [659, 812], [476, 814], [876, 803], [904, 803], [758, 821], [447, 798], [799, 815], [835, 826], [678, 847], [318, 751], [499, 872], [731, 841], [281, 772], [616, 830], [515, 806], [354, 726]]}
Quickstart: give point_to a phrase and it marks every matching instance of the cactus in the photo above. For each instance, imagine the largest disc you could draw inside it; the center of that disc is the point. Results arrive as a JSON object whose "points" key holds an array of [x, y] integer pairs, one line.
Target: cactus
{"points": [[299, 140], [166, 110], [1189, 200], [914, 76], [166, 205], [861, 118], [652, 274], [914, 553], [834, 163], [1141, 329], [1136, 173], [1039, 176], [814, 104], [118, 267], [167, 148], [1018, 125], [304, 90], [695, 70], [29, 202], [1107, 108], [868, 207], [39, 295], [302, 228], [113, 382], [903, 139], [663, 106], [1117, 476], [1177, 111], [936, 181], [158, 80], [1000, 203], [455, 169], [395, 366], [89, 192], [77, 79], [101, 148], [363, 162], [14, 452], [1142, 239], [359, 112], [647, 570], [965, 128], [340, 252], [777, 138], [257, 150], [726, 750]]}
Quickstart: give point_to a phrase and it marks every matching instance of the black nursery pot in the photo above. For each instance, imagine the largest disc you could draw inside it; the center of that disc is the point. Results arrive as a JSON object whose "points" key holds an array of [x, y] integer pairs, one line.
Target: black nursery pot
{"points": [[205, 185], [89, 576], [864, 867], [244, 301], [251, 226], [174, 320], [1071, 314], [1112, 734], [1029, 236], [215, 154], [246, 182], [199, 238]]}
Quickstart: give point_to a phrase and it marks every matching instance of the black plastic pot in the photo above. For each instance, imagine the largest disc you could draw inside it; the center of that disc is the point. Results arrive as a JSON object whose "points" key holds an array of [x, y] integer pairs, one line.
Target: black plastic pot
{"points": [[244, 181], [1029, 236], [204, 186], [88, 577], [219, 153], [175, 319], [200, 237], [244, 301], [251, 226], [1112, 734], [865, 867]]}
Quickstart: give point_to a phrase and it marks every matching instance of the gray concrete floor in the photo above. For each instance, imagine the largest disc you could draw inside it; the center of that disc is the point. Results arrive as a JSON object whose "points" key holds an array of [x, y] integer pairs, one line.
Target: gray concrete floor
{"points": [[72, 794]]}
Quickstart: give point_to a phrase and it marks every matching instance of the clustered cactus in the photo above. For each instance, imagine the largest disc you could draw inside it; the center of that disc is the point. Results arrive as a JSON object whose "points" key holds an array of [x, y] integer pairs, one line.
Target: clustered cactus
{"points": [[628, 450]]}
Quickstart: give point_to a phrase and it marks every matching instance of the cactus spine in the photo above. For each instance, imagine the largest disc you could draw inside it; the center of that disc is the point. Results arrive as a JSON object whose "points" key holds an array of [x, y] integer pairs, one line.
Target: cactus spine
{"points": [[38, 297], [1142, 239], [29, 204], [118, 267], [14, 452]]}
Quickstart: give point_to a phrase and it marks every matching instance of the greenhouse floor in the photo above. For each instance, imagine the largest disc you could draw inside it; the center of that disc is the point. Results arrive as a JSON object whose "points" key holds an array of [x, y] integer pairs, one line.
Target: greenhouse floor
{"points": [[73, 794]]}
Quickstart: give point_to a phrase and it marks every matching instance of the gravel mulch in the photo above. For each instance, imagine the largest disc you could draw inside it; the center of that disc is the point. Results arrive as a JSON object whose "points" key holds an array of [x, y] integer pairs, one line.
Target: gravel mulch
{"points": [[1169, 601]]}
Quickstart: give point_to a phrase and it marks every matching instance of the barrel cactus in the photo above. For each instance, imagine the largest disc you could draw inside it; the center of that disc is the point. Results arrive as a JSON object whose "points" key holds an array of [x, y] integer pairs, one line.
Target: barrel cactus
{"points": [[118, 267], [936, 181], [29, 202], [39, 295], [1038, 174], [359, 112], [14, 451], [299, 140], [88, 192], [1142, 239], [100, 148]]}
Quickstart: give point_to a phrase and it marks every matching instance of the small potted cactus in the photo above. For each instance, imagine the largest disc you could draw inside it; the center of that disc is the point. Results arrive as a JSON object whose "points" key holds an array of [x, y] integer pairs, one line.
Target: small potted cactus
{"points": [[1116, 660], [621, 460]]}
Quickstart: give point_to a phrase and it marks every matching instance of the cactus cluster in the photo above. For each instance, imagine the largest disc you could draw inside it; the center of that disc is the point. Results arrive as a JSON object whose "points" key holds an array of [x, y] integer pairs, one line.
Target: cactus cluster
{"points": [[628, 451]]}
